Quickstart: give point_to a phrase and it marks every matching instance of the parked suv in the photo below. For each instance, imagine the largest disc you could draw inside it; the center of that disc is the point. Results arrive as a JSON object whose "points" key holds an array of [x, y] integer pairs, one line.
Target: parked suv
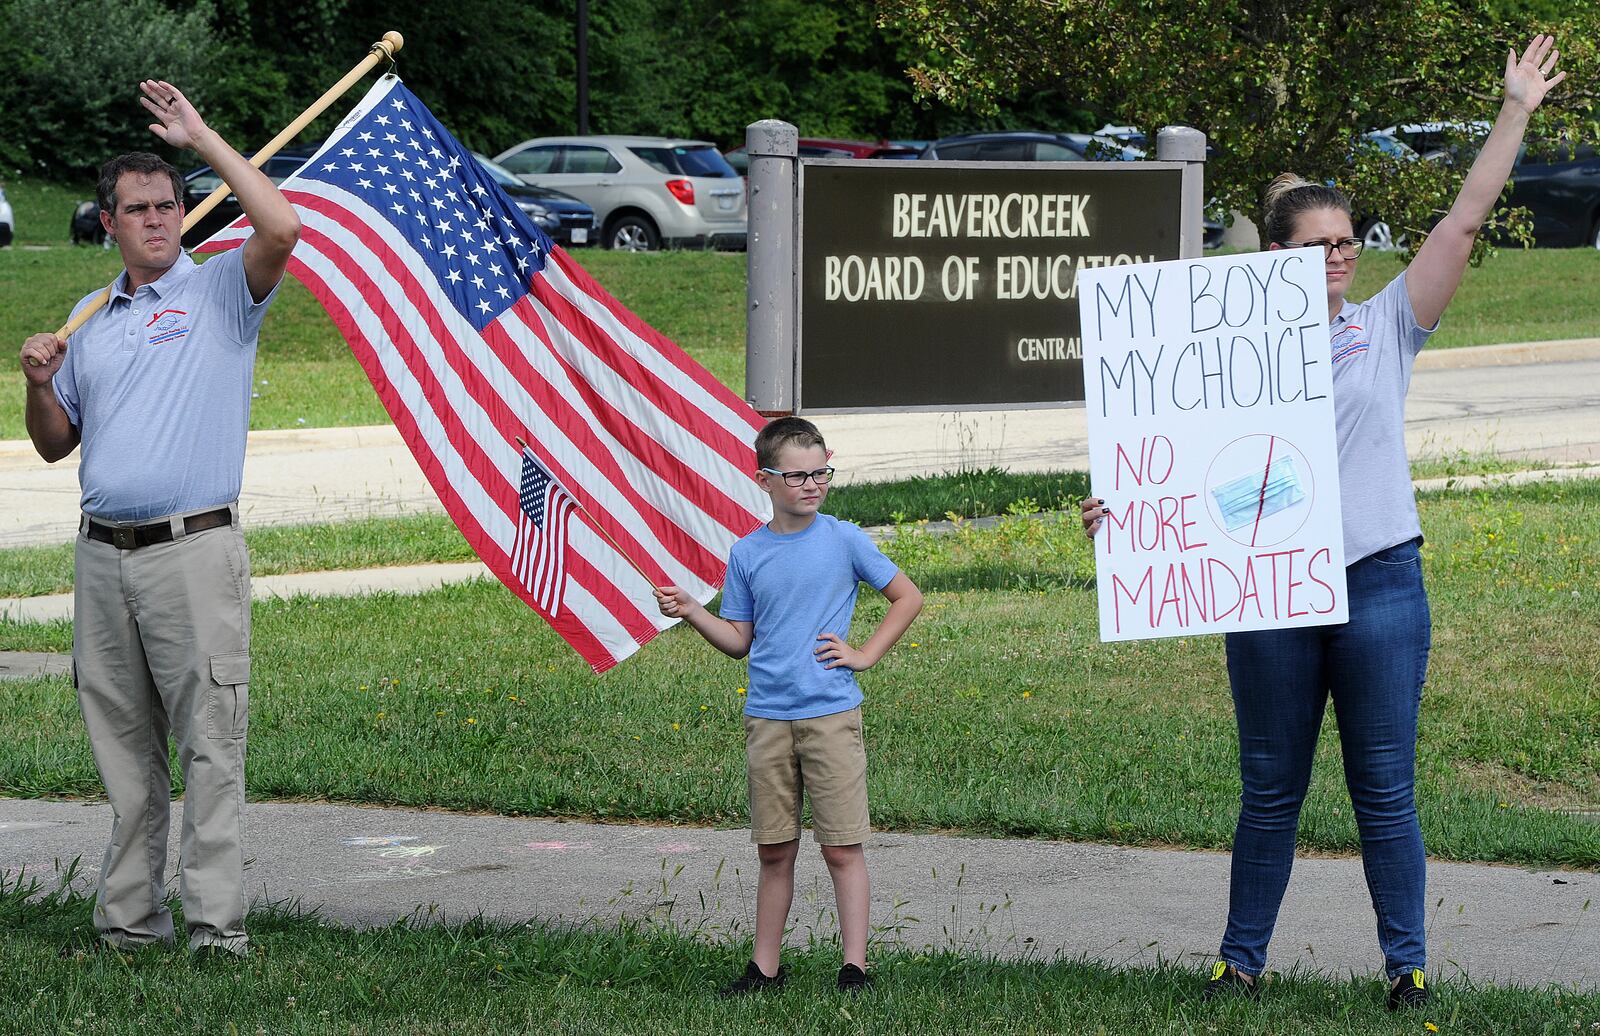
{"points": [[199, 183], [646, 192]]}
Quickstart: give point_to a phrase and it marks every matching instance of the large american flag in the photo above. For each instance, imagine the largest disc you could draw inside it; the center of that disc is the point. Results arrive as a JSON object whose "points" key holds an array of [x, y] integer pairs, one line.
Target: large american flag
{"points": [[539, 555], [475, 329]]}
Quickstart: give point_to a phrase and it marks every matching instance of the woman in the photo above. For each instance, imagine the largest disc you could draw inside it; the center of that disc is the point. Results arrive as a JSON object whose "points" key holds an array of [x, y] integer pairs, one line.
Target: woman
{"points": [[1373, 665]]}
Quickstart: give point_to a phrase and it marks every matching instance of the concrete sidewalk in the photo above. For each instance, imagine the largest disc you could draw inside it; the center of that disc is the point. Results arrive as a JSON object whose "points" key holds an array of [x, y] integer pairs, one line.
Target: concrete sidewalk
{"points": [[1538, 401], [1009, 898]]}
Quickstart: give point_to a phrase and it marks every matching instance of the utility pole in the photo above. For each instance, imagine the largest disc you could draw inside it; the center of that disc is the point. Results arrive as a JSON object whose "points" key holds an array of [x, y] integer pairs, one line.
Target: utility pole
{"points": [[583, 68]]}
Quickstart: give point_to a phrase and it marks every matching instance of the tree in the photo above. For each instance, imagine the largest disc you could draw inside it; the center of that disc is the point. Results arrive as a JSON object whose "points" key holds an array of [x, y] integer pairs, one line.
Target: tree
{"points": [[1274, 84], [73, 68]]}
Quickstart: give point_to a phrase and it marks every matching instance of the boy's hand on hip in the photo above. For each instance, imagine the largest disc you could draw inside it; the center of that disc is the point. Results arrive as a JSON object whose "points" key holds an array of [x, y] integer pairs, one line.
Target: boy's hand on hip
{"points": [[834, 653]]}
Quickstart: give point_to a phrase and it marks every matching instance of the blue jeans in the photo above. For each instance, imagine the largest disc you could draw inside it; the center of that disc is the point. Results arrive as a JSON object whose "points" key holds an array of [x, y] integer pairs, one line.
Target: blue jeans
{"points": [[1374, 666]]}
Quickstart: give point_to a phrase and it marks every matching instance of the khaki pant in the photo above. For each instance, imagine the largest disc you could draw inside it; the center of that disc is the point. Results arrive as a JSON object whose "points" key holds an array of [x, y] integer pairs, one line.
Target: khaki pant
{"points": [[824, 759], [161, 643]]}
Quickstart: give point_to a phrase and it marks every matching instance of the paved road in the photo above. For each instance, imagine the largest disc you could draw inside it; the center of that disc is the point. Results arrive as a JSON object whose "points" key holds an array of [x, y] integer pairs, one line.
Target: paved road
{"points": [[1010, 898], [1538, 401]]}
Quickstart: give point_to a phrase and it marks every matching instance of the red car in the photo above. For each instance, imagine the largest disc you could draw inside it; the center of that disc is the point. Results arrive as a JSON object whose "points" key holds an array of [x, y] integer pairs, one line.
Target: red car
{"points": [[824, 147]]}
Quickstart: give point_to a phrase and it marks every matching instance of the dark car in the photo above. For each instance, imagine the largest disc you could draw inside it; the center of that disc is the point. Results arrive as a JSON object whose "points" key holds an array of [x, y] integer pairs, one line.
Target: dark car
{"points": [[199, 183], [1029, 146], [1560, 186], [567, 220], [828, 147], [197, 186], [86, 228]]}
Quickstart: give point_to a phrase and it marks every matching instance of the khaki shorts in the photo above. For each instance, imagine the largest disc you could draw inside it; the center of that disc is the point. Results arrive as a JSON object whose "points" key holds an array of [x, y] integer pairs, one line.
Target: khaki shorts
{"points": [[823, 757]]}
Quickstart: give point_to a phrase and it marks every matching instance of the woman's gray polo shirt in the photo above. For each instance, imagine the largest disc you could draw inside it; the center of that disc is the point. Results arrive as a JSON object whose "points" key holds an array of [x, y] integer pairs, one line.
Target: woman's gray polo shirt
{"points": [[158, 385], [1374, 345]]}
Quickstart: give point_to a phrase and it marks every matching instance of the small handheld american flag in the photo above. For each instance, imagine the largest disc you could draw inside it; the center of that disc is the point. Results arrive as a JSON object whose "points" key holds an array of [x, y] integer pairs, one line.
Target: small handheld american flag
{"points": [[539, 554]]}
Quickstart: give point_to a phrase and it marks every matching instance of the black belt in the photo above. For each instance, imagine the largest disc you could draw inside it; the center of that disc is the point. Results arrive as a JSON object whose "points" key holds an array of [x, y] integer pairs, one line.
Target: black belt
{"points": [[131, 537]]}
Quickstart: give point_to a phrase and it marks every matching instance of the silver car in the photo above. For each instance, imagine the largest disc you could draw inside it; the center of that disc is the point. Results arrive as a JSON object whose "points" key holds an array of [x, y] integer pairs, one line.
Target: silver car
{"points": [[646, 192]]}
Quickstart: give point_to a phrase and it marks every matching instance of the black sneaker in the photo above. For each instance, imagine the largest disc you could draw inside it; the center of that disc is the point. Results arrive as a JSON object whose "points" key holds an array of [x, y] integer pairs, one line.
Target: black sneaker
{"points": [[1411, 991], [1227, 980], [853, 980], [753, 981]]}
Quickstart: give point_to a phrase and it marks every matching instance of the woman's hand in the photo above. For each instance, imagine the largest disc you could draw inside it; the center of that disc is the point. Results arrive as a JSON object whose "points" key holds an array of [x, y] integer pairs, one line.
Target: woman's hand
{"points": [[1094, 511], [1526, 82]]}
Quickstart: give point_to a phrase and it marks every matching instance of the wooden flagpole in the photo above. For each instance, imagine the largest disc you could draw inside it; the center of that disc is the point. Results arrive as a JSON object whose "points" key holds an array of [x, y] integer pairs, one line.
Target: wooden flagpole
{"points": [[596, 526], [383, 50]]}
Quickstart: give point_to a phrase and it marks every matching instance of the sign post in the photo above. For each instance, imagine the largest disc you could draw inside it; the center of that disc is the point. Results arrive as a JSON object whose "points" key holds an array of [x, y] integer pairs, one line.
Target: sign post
{"points": [[1211, 440]]}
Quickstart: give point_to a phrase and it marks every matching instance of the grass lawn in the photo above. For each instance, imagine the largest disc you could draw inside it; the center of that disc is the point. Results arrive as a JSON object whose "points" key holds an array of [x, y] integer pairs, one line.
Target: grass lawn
{"points": [[42, 212], [993, 717], [425, 539], [305, 375], [484, 978], [1519, 295]]}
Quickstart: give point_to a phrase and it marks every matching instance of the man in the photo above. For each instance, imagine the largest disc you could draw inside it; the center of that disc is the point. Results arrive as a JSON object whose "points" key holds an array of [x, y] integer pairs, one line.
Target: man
{"points": [[156, 386]]}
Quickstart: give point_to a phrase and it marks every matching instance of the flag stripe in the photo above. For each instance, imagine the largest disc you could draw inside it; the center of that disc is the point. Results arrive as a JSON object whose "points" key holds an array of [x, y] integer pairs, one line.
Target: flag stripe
{"points": [[656, 457], [589, 642], [613, 345], [494, 489], [737, 408], [694, 541], [730, 482]]}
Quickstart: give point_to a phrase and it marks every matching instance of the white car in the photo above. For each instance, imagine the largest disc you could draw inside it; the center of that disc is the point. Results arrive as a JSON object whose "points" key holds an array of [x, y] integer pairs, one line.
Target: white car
{"points": [[646, 192], [6, 223]]}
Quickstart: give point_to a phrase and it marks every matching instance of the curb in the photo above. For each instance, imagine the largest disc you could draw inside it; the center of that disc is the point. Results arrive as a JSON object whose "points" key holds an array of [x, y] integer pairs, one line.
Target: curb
{"points": [[1561, 350]]}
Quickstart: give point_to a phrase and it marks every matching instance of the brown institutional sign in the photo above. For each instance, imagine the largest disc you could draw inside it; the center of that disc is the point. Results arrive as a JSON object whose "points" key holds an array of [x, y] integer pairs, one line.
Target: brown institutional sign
{"points": [[954, 284]]}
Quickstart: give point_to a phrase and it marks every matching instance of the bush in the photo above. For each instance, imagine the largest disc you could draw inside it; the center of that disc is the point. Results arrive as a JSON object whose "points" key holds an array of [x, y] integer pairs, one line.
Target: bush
{"points": [[73, 68]]}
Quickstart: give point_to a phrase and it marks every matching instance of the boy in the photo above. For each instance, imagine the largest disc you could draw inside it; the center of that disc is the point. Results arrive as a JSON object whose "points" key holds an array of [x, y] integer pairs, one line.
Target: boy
{"points": [[789, 596]]}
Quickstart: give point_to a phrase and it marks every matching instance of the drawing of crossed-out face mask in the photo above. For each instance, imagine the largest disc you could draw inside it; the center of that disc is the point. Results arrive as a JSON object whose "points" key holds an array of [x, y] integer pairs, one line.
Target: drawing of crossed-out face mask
{"points": [[1244, 499]]}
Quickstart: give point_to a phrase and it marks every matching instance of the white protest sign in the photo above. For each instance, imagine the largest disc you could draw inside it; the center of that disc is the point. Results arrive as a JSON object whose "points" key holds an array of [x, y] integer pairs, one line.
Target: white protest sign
{"points": [[1209, 395]]}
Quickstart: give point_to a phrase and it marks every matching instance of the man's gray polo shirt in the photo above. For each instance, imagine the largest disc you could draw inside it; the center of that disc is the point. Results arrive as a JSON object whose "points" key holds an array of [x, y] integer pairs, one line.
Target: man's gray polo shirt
{"points": [[158, 385], [1375, 344]]}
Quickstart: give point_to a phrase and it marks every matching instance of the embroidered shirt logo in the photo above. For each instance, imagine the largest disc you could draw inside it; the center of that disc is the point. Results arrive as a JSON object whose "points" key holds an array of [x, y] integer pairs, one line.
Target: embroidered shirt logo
{"points": [[1349, 341], [169, 325]]}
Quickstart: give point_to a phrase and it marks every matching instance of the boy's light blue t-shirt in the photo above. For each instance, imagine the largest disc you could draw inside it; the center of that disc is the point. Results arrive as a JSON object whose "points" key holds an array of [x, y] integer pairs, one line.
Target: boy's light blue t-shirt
{"points": [[794, 588]]}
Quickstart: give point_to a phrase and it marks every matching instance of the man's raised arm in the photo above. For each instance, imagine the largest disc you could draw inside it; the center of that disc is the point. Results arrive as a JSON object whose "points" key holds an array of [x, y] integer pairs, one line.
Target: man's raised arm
{"points": [[277, 228]]}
